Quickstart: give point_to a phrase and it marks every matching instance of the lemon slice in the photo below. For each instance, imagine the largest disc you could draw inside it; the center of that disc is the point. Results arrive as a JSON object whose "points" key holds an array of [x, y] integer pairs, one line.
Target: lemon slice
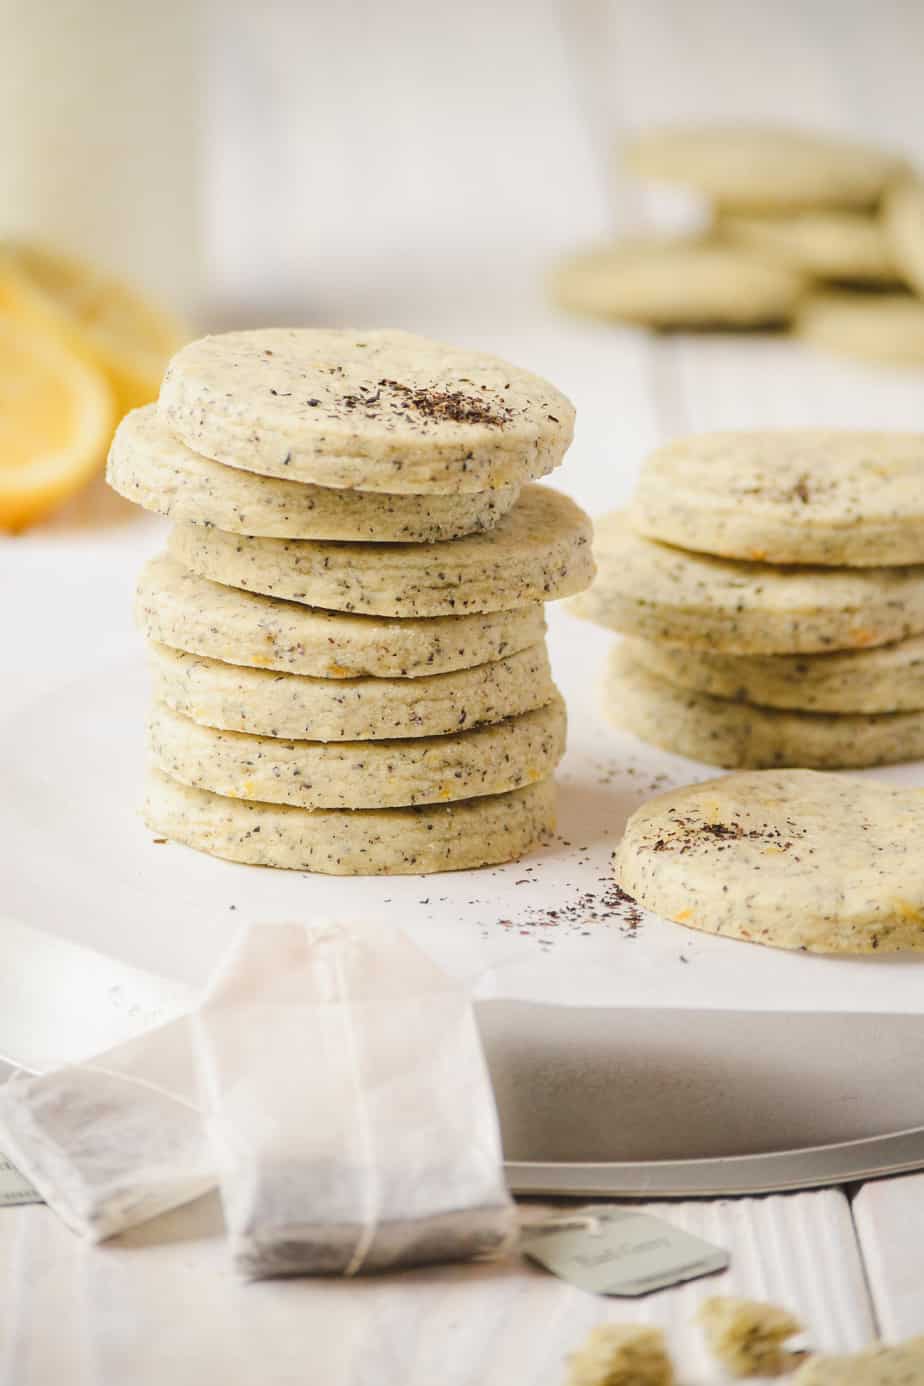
{"points": [[94, 314], [56, 419]]}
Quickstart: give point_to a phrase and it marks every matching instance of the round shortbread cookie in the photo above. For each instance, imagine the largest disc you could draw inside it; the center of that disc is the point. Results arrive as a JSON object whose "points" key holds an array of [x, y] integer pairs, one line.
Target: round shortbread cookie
{"points": [[373, 411], [903, 220], [358, 842], [896, 1364], [233, 698], [149, 466], [849, 246], [735, 735], [360, 774], [178, 608], [676, 283], [757, 168], [801, 495], [793, 859], [889, 678], [662, 593], [539, 552], [888, 328]]}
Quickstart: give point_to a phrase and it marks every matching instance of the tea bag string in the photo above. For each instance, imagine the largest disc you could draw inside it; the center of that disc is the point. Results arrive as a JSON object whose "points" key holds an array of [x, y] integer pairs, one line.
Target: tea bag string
{"points": [[371, 1185]]}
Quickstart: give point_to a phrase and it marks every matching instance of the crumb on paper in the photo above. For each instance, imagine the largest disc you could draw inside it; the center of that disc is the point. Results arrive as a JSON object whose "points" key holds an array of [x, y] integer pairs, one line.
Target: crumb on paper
{"points": [[748, 1337], [616, 1354], [880, 1365]]}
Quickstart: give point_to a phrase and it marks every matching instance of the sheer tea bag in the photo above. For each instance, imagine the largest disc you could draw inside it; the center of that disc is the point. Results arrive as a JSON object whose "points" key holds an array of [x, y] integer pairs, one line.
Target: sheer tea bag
{"points": [[350, 1105], [113, 1141]]}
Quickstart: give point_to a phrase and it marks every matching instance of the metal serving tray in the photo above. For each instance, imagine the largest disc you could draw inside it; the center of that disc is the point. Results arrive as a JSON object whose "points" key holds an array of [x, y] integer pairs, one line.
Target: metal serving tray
{"points": [[646, 1103]]}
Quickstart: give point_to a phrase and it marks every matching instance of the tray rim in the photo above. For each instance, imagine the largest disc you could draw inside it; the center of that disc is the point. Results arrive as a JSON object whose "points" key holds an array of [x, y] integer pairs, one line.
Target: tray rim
{"points": [[811, 1167]]}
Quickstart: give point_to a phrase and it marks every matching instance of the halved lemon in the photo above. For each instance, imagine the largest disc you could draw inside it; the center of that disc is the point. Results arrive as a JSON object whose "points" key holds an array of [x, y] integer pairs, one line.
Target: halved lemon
{"points": [[56, 420], [94, 314]]}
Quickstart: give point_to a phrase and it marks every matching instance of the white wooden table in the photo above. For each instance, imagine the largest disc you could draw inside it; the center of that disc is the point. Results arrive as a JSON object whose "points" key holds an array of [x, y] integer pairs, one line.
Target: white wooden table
{"points": [[418, 165]]}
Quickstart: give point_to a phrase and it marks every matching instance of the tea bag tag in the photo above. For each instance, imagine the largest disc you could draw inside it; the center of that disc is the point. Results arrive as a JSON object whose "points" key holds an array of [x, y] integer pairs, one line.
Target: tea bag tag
{"points": [[14, 1189], [618, 1251]]}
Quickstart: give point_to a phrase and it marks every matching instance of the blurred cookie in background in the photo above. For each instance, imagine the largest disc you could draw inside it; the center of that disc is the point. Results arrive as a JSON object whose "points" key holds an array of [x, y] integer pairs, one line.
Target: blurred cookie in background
{"points": [[852, 247], [795, 222], [757, 168], [676, 282], [888, 328], [903, 221]]}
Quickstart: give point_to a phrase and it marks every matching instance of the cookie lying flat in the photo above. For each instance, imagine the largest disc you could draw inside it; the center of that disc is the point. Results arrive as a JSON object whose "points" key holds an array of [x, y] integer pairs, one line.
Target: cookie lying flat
{"points": [[661, 593], [719, 731], [149, 466], [888, 678], [881, 1365], [294, 706], [793, 495], [178, 608], [360, 774], [770, 168], [676, 283], [538, 552], [849, 246], [793, 859], [903, 220], [888, 328], [374, 411], [364, 842]]}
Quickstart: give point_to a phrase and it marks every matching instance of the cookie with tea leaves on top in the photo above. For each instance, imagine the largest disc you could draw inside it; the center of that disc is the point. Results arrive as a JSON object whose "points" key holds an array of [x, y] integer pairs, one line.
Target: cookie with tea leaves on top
{"points": [[788, 858], [836, 497], [370, 411]]}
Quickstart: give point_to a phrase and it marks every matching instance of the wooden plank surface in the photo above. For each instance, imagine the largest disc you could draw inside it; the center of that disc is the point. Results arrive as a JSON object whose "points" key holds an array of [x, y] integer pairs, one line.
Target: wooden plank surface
{"points": [[889, 1216], [161, 1305]]}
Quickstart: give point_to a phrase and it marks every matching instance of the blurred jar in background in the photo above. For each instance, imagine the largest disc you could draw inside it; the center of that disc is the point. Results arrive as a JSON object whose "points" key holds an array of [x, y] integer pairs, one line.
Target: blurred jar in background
{"points": [[100, 134]]}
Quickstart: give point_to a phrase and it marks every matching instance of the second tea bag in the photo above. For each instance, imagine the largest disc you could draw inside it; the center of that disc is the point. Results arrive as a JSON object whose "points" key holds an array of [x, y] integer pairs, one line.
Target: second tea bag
{"points": [[116, 1139], [350, 1105]]}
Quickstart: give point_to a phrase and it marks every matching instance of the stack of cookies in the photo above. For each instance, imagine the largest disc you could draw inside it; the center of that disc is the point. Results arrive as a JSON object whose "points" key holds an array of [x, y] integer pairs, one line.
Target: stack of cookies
{"points": [[798, 228], [771, 585], [347, 629]]}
